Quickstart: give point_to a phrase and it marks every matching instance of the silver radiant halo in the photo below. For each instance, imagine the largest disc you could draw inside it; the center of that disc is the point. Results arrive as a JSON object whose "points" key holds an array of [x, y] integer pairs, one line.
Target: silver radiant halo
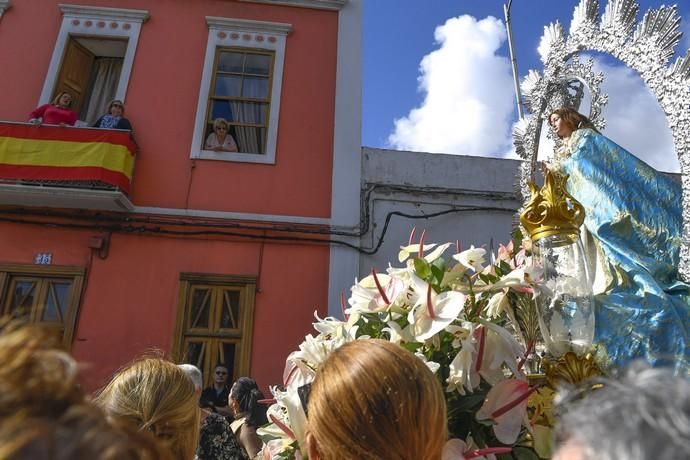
{"points": [[645, 47]]}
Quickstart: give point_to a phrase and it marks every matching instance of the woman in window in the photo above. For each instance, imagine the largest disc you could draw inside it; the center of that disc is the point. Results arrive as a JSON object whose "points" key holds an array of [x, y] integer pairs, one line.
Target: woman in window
{"points": [[114, 119], [220, 139], [56, 113]]}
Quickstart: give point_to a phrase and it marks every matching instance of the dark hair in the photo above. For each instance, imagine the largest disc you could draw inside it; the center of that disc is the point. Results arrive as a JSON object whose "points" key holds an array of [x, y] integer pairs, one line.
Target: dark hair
{"points": [[247, 394]]}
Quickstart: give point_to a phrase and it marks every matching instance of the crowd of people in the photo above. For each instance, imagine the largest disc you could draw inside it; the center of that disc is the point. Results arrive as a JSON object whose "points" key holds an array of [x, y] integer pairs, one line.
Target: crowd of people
{"points": [[155, 409]]}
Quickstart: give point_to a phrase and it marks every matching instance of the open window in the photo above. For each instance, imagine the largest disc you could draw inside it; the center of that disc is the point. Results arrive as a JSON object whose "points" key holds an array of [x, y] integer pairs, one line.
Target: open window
{"points": [[93, 57], [90, 71], [240, 89]]}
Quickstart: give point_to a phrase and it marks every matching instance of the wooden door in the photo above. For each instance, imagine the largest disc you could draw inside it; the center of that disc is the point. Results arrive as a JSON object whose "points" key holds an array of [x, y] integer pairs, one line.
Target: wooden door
{"points": [[75, 73]]}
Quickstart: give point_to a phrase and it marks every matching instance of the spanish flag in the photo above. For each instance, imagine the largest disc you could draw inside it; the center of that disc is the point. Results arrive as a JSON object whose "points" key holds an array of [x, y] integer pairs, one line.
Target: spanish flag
{"points": [[54, 153]]}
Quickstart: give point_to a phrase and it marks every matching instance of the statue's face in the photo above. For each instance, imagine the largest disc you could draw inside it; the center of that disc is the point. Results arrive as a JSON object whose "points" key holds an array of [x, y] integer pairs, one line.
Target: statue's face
{"points": [[559, 126]]}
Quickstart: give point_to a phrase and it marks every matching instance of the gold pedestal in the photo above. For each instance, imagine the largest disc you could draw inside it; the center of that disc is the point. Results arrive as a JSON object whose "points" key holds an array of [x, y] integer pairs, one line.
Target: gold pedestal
{"points": [[570, 368]]}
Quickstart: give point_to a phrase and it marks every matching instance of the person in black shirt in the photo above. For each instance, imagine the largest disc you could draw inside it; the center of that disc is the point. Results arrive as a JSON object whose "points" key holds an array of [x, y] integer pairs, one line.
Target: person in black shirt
{"points": [[215, 397]]}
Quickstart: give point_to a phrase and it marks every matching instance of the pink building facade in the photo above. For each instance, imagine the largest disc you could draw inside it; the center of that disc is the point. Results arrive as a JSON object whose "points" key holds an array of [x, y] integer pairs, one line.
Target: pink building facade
{"points": [[164, 242]]}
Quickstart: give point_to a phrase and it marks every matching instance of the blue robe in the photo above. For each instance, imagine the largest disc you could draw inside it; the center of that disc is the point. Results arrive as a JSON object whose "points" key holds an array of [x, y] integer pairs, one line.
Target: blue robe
{"points": [[633, 214]]}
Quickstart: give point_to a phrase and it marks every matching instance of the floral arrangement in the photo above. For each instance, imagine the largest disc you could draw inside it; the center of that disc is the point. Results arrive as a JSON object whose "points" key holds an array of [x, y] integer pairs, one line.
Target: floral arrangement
{"points": [[458, 315]]}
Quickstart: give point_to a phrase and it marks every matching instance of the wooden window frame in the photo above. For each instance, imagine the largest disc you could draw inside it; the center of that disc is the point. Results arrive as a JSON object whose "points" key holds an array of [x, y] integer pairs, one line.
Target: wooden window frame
{"points": [[95, 22], [269, 100], [77, 274], [250, 36], [243, 337]]}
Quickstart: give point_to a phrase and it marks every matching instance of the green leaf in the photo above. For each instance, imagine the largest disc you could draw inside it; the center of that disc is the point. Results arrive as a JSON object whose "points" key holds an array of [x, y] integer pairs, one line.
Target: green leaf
{"points": [[437, 273], [422, 268]]}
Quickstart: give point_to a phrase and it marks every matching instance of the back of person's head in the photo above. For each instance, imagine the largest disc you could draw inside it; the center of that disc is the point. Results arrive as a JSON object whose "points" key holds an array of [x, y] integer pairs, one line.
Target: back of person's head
{"points": [[194, 373], [44, 414], [244, 397], [644, 415], [371, 399], [36, 376], [153, 394], [81, 432]]}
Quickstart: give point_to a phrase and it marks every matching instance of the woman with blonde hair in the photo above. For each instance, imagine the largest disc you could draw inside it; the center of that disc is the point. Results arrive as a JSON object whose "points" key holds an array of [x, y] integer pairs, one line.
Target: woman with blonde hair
{"points": [[56, 113], [155, 395], [371, 399], [220, 140]]}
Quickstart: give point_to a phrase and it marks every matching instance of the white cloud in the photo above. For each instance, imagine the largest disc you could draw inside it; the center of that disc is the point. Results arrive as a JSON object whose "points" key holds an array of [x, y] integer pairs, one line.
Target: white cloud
{"points": [[468, 104], [634, 119]]}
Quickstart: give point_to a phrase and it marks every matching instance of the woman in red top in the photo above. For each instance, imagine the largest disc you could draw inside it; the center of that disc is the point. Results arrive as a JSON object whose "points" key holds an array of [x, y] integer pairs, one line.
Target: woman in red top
{"points": [[57, 113]]}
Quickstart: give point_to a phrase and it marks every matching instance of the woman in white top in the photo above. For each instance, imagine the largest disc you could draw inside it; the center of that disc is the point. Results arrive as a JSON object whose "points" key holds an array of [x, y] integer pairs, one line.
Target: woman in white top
{"points": [[220, 139]]}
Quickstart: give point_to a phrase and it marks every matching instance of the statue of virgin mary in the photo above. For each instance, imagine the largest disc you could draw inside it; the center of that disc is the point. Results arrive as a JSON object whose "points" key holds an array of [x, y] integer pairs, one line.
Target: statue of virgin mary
{"points": [[632, 239]]}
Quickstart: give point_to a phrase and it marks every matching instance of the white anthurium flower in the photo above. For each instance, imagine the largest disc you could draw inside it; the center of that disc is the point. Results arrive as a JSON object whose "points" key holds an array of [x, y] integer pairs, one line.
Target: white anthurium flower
{"points": [[433, 366], [472, 258], [397, 334], [375, 293], [438, 250], [410, 249], [498, 303], [459, 334], [431, 315]]}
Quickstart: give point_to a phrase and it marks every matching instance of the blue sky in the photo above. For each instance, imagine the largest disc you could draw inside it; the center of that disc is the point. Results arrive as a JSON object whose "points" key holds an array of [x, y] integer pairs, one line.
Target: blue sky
{"points": [[471, 59]]}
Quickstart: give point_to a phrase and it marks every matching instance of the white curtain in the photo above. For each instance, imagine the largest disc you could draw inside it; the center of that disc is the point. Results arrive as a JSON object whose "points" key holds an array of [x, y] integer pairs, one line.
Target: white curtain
{"points": [[106, 77], [251, 139]]}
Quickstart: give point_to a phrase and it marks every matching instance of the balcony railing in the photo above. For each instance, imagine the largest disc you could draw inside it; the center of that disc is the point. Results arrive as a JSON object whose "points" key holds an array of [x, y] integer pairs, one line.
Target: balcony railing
{"points": [[54, 166]]}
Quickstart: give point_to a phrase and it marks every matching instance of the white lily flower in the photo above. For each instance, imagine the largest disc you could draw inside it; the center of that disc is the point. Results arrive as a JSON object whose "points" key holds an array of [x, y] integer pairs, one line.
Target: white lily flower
{"points": [[297, 372], [454, 276], [463, 374], [329, 326], [472, 258], [432, 314], [433, 366], [497, 304], [459, 334], [397, 334], [500, 347]]}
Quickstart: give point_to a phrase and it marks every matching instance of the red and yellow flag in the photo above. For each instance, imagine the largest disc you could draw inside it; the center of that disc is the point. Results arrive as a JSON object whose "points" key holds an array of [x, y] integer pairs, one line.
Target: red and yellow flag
{"points": [[71, 154]]}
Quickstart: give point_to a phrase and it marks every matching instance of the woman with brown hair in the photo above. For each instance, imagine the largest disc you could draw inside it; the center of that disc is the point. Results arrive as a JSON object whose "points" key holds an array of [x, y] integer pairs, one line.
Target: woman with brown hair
{"points": [[155, 395], [371, 399], [45, 415]]}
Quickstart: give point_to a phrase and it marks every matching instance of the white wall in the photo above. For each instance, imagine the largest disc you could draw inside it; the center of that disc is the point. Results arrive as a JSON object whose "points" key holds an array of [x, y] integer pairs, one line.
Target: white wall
{"points": [[421, 184]]}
